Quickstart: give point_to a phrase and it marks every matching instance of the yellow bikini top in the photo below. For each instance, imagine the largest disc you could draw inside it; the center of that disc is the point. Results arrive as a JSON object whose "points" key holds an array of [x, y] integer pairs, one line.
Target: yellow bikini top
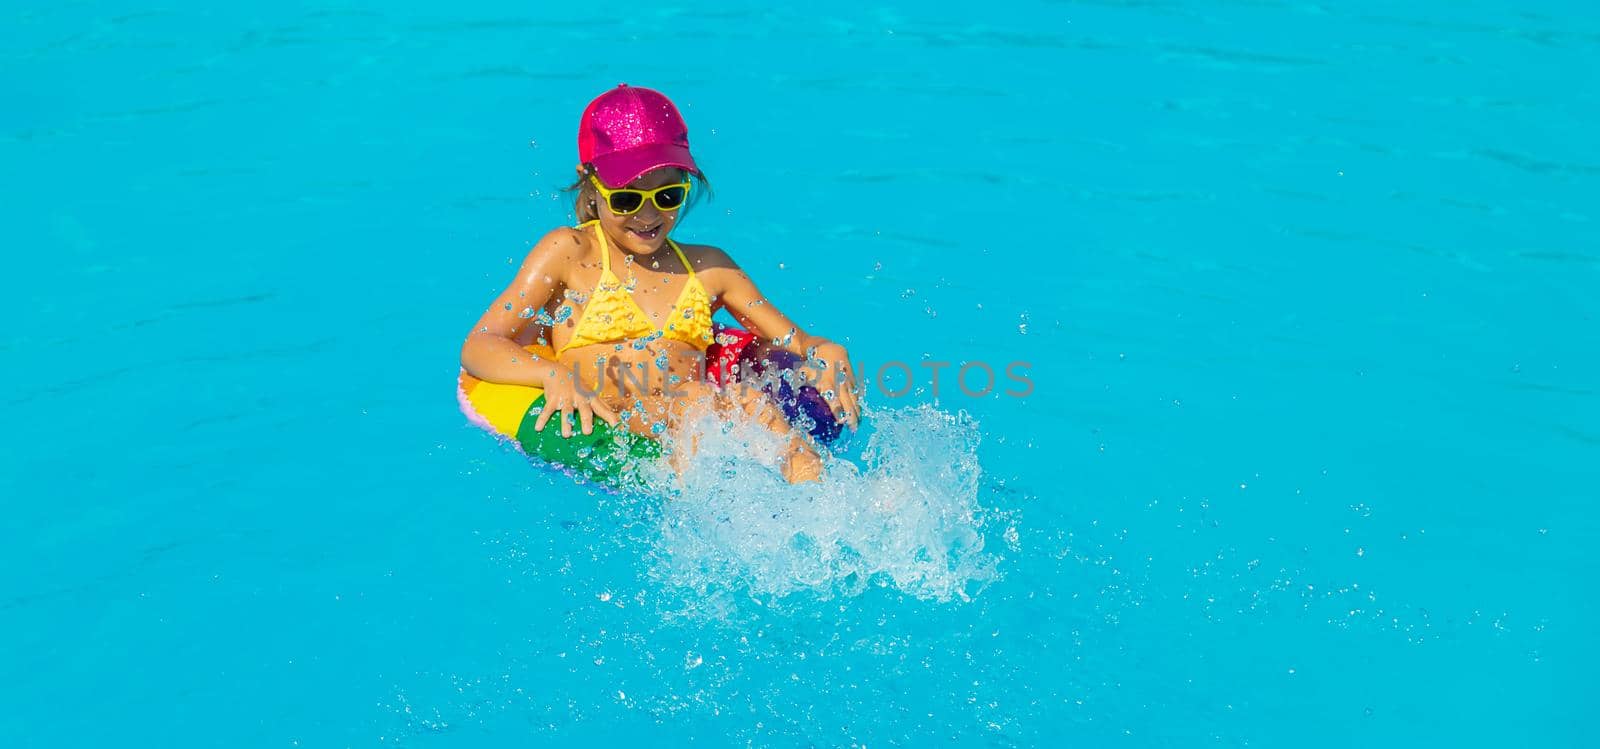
{"points": [[612, 316]]}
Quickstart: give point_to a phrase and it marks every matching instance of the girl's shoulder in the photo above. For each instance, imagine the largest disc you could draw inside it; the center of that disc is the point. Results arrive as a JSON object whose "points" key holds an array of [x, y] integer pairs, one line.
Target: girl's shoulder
{"points": [[705, 257], [563, 244], [555, 255]]}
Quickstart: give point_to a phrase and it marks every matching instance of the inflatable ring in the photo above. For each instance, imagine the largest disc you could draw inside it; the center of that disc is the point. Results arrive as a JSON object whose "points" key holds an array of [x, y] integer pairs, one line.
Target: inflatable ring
{"points": [[615, 457]]}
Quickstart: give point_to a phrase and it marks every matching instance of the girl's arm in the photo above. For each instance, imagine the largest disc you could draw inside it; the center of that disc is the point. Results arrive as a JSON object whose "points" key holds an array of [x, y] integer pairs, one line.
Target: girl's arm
{"points": [[754, 311], [491, 352]]}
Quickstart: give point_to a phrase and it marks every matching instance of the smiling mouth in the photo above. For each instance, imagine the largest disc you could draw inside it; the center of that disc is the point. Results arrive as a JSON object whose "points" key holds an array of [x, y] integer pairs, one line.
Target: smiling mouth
{"points": [[649, 233]]}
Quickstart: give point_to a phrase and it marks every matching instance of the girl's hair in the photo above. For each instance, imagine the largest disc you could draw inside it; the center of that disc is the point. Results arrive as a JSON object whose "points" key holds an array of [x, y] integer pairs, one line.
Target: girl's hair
{"points": [[586, 206]]}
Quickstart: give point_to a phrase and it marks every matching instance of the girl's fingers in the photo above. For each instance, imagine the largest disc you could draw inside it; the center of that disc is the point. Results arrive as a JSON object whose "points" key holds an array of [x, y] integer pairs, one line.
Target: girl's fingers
{"points": [[586, 417], [841, 402], [604, 412], [566, 421], [844, 386], [545, 412]]}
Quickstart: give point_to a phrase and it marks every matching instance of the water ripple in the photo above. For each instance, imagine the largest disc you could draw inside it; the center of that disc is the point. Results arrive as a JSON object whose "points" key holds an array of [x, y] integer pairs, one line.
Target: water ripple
{"points": [[1537, 166], [517, 71], [1575, 258], [1237, 57]]}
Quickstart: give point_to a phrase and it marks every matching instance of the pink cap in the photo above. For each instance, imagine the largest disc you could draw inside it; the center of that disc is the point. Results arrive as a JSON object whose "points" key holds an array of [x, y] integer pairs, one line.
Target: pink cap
{"points": [[628, 131]]}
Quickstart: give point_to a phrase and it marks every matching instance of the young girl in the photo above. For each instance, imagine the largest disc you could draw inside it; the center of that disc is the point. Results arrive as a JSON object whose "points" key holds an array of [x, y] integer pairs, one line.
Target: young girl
{"points": [[627, 310]]}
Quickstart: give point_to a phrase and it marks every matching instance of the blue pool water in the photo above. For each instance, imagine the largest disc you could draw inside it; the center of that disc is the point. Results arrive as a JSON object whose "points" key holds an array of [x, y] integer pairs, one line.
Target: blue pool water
{"points": [[1308, 291]]}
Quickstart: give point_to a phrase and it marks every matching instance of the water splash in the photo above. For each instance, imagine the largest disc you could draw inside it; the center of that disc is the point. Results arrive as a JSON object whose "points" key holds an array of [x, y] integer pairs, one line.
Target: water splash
{"points": [[907, 517]]}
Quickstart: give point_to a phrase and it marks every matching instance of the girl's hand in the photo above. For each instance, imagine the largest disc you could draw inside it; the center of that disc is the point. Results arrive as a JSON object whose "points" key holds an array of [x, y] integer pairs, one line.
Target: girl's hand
{"points": [[836, 380], [828, 364], [561, 394]]}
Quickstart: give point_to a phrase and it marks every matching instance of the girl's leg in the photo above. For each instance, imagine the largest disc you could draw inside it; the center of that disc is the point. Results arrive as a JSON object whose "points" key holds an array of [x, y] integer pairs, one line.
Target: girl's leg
{"points": [[693, 398], [801, 463]]}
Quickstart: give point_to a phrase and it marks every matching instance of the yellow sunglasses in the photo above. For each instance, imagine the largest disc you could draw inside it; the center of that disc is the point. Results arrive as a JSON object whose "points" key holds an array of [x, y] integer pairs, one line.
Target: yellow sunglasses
{"points": [[625, 201]]}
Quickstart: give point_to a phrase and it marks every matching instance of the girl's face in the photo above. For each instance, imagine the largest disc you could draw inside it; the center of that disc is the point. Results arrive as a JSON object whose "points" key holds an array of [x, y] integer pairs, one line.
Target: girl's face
{"points": [[644, 231]]}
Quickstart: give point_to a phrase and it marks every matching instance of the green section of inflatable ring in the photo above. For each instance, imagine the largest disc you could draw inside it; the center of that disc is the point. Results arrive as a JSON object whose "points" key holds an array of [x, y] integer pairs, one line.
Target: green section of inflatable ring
{"points": [[607, 455]]}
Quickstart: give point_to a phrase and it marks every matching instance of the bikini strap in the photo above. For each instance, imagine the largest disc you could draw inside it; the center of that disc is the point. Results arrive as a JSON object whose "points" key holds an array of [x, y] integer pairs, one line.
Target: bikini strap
{"points": [[605, 252], [683, 258]]}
